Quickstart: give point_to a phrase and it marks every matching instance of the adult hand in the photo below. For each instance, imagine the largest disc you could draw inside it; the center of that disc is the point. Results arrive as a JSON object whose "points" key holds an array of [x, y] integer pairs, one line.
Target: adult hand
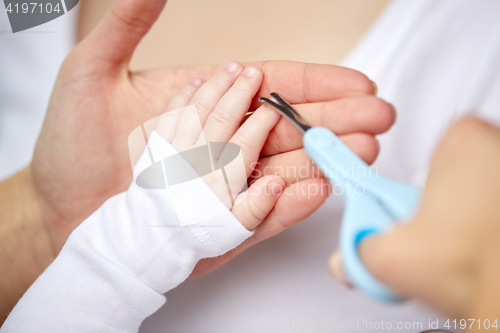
{"points": [[81, 157], [448, 255]]}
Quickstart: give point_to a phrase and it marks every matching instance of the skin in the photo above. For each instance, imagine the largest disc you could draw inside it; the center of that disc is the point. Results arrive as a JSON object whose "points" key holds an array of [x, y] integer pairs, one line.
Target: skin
{"points": [[81, 157], [213, 112], [345, 22], [447, 256]]}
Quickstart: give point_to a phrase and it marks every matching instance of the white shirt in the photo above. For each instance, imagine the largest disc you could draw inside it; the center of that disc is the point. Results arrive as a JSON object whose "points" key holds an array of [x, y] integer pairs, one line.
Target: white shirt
{"points": [[116, 265]]}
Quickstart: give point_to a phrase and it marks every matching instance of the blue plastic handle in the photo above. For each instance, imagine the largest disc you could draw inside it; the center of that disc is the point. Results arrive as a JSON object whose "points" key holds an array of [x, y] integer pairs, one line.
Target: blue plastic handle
{"points": [[373, 203]]}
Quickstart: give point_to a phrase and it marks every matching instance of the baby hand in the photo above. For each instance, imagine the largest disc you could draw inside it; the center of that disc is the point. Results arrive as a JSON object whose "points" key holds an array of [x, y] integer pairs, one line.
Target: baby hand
{"points": [[205, 113]]}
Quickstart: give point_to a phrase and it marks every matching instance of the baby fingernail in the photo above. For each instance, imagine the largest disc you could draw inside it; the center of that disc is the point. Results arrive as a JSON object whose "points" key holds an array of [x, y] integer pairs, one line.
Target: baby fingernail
{"points": [[231, 67], [197, 82], [275, 189], [249, 72]]}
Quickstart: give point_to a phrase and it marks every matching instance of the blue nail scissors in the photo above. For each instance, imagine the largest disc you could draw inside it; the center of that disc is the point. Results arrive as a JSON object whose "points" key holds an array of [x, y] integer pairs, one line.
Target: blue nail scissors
{"points": [[373, 203]]}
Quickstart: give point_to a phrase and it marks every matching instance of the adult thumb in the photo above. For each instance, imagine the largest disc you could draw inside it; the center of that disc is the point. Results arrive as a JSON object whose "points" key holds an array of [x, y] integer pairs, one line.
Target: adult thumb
{"points": [[113, 41], [394, 258]]}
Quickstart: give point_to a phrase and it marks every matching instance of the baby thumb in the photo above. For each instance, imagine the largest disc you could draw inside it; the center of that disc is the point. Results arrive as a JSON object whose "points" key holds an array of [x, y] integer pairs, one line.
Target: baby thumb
{"points": [[254, 205]]}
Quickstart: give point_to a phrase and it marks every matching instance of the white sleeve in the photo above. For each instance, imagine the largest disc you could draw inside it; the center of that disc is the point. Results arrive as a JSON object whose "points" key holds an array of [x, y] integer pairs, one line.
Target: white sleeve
{"points": [[115, 267]]}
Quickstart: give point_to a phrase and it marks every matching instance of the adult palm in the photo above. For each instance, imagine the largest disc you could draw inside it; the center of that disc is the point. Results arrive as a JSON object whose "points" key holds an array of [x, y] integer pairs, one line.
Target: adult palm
{"points": [[81, 157]]}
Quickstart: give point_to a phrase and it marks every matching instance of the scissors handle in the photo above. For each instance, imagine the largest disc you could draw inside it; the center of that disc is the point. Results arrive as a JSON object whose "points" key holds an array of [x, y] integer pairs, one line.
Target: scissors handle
{"points": [[373, 203]]}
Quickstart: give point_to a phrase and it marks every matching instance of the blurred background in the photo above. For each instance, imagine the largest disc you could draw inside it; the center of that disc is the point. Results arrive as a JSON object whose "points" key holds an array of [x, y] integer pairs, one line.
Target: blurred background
{"points": [[214, 31]]}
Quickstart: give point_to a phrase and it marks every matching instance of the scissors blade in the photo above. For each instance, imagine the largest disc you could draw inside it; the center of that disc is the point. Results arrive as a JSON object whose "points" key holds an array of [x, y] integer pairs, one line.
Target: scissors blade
{"points": [[280, 105]]}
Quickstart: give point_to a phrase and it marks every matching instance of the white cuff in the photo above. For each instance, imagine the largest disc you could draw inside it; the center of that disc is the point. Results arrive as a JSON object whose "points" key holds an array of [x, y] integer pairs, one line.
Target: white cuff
{"points": [[116, 265]]}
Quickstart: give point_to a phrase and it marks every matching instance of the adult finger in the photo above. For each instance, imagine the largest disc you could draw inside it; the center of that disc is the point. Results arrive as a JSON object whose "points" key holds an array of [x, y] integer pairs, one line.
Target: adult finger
{"points": [[308, 83], [296, 165], [396, 258], [366, 114], [337, 270], [297, 82], [114, 40], [305, 197]]}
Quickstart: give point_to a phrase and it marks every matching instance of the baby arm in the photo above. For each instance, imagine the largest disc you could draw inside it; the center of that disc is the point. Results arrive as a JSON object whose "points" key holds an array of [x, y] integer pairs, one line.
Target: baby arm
{"points": [[112, 272]]}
